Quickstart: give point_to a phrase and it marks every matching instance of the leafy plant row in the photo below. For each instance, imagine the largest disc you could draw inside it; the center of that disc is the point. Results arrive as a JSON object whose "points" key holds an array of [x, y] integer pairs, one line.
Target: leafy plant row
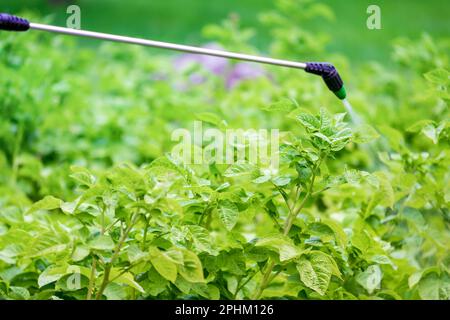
{"points": [[93, 206]]}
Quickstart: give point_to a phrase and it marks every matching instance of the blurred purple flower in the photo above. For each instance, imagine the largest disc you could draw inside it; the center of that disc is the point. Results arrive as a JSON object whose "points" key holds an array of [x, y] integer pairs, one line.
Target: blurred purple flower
{"points": [[232, 75], [214, 65], [196, 78], [243, 71]]}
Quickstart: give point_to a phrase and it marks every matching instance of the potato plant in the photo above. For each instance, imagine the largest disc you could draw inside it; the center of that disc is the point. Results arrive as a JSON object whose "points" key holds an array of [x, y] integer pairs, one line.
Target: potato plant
{"points": [[94, 206]]}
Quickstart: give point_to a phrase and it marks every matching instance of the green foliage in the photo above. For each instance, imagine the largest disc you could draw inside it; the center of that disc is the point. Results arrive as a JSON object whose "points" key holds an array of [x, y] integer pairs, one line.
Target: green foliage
{"points": [[92, 206]]}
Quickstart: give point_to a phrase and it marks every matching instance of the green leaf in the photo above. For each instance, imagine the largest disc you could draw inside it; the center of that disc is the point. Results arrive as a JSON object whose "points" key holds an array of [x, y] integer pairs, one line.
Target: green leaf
{"points": [[48, 203], [83, 176], [8, 254], [419, 125], [321, 230], [102, 242], [213, 292], [393, 136], [361, 240], [261, 179], [211, 118], [385, 192], [163, 264], [192, 269], [115, 291], [384, 195], [126, 278], [51, 274], [383, 259], [364, 134], [183, 285], [315, 270], [166, 163], [228, 213], [70, 207], [240, 169], [157, 284], [325, 120], [18, 293], [50, 250], [370, 279], [414, 279], [339, 233], [201, 239], [438, 76], [283, 105], [322, 137], [175, 255], [282, 245], [341, 135], [80, 253], [430, 132], [135, 253], [309, 121], [281, 181], [434, 287]]}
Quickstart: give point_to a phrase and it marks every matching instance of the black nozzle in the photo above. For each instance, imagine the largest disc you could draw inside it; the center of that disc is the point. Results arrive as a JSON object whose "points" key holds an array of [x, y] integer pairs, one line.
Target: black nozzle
{"points": [[12, 23], [330, 75]]}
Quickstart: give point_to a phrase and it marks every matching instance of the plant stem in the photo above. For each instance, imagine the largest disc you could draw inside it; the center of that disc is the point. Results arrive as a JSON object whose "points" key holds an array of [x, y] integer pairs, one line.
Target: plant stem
{"points": [[204, 214], [116, 253], [287, 227], [105, 282], [240, 286], [144, 239], [103, 219], [92, 279], [111, 225], [264, 281], [131, 266], [293, 215]]}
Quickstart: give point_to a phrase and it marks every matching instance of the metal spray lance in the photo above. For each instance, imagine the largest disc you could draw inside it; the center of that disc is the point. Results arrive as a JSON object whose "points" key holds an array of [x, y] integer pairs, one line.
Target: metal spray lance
{"points": [[326, 70]]}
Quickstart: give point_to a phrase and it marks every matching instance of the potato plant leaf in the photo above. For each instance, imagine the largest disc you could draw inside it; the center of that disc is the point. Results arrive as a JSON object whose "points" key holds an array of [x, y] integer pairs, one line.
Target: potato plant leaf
{"points": [[47, 203], [228, 213], [282, 245], [102, 242], [191, 270], [163, 264], [315, 270]]}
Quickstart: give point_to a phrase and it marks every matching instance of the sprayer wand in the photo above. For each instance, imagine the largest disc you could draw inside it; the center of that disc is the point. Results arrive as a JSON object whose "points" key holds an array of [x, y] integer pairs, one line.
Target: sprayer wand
{"points": [[326, 70]]}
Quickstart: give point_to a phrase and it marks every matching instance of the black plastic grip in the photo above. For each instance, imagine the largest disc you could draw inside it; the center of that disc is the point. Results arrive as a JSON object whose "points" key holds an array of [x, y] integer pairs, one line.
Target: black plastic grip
{"points": [[328, 73], [12, 23]]}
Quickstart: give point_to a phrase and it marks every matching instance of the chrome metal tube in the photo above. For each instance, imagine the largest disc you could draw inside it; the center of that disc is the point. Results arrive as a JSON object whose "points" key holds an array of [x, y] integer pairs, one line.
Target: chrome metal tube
{"points": [[167, 45]]}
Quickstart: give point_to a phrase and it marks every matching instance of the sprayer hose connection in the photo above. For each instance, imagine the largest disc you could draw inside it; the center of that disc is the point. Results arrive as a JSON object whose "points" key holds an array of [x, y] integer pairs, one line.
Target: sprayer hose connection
{"points": [[12, 23]]}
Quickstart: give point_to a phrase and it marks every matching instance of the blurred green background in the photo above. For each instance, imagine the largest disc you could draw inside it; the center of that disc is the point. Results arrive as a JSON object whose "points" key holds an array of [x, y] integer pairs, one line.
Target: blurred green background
{"points": [[182, 20]]}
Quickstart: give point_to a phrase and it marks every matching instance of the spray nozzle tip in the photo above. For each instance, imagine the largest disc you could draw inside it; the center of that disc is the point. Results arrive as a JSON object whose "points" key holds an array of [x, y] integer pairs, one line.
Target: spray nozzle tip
{"points": [[341, 93], [330, 75]]}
